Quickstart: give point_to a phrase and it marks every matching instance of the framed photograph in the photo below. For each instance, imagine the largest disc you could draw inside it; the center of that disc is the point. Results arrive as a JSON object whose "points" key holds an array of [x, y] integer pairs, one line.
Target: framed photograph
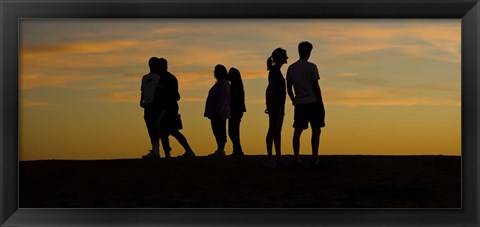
{"points": [[398, 89]]}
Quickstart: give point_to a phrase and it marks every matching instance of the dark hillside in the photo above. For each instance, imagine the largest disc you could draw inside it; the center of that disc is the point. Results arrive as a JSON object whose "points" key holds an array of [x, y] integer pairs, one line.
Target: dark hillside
{"points": [[205, 182]]}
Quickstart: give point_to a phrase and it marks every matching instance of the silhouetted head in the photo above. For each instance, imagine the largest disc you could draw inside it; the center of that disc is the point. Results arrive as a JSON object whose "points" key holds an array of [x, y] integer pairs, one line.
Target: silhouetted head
{"points": [[162, 64], [153, 63], [305, 49], [234, 75], [279, 57], [220, 72]]}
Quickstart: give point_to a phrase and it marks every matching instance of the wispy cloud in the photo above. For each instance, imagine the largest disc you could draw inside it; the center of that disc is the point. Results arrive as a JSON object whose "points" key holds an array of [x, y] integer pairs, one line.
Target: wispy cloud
{"points": [[377, 97], [32, 80], [34, 104], [122, 97], [83, 47], [347, 74], [416, 39]]}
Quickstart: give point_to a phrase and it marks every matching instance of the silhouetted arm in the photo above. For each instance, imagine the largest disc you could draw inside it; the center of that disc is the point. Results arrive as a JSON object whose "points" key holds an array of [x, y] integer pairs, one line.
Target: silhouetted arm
{"points": [[290, 91], [141, 100], [224, 100], [269, 92], [316, 86], [316, 90], [211, 103], [175, 89], [242, 98]]}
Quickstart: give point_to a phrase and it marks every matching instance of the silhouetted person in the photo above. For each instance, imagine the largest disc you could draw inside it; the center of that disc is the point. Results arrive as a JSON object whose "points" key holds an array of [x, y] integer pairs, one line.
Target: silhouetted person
{"points": [[237, 108], [151, 107], [303, 77], [275, 100], [169, 120], [217, 108]]}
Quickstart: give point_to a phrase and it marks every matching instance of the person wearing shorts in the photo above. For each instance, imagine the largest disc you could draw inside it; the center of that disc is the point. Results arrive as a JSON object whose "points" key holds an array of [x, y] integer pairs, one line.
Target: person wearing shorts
{"points": [[304, 92], [313, 113]]}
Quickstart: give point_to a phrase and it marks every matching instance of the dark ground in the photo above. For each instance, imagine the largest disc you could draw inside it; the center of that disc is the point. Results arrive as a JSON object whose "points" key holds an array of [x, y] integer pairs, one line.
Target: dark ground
{"points": [[206, 182]]}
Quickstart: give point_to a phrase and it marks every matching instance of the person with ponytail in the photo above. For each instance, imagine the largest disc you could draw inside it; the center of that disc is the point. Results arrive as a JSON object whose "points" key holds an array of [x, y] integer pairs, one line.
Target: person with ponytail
{"points": [[275, 101]]}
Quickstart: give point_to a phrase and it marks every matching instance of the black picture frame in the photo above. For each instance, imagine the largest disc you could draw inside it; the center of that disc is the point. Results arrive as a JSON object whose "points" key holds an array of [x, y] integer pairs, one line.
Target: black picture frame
{"points": [[12, 11]]}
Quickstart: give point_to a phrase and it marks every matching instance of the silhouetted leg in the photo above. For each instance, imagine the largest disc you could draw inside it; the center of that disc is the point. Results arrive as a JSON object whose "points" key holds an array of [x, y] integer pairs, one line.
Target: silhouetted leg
{"points": [[277, 139], [269, 142], [152, 131], [220, 132], [315, 143], [231, 130], [182, 140], [234, 133], [272, 128], [165, 142], [222, 129], [296, 142]]}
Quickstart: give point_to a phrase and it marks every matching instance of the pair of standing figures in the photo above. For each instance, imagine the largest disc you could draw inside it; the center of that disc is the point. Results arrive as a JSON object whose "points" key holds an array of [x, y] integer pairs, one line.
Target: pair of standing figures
{"points": [[304, 92], [226, 100], [159, 98]]}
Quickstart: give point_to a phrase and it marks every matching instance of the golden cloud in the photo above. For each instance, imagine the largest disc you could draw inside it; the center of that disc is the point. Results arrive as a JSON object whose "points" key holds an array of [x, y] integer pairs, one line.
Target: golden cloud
{"points": [[375, 97], [34, 104]]}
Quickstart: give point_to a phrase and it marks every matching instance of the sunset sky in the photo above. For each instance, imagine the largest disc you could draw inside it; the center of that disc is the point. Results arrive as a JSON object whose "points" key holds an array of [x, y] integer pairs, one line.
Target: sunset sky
{"points": [[390, 87]]}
